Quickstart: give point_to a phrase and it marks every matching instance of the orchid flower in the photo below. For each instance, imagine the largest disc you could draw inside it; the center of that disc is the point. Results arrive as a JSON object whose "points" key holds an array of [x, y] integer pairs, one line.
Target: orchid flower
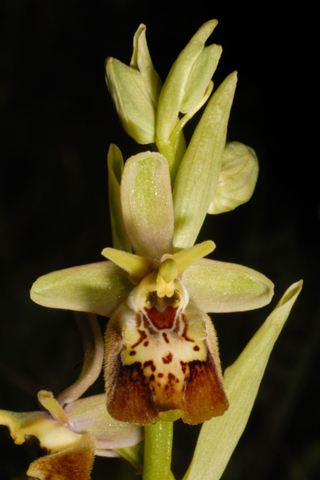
{"points": [[70, 431], [161, 354]]}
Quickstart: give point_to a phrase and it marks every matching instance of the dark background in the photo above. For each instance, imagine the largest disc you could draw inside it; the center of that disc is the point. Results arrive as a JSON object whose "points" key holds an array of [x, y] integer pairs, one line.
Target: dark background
{"points": [[57, 122]]}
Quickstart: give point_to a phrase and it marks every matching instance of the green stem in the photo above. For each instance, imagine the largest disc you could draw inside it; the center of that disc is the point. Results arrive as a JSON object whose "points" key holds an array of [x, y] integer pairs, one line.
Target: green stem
{"points": [[157, 451]]}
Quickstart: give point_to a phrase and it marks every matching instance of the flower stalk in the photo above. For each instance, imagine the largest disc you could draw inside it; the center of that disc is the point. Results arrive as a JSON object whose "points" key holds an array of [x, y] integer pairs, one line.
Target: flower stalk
{"points": [[158, 451]]}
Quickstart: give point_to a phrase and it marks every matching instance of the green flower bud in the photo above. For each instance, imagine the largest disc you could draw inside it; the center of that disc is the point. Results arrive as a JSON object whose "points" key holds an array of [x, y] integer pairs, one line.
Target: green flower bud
{"points": [[135, 90], [186, 89], [237, 179], [199, 80]]}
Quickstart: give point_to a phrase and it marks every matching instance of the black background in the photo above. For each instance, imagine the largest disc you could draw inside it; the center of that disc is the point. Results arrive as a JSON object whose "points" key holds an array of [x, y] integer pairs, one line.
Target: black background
{"points": [[57, 122]]}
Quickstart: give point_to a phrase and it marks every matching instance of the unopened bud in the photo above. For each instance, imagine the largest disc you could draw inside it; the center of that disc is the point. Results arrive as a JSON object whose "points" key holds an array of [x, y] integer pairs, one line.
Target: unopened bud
{"points": [[237, 179]]}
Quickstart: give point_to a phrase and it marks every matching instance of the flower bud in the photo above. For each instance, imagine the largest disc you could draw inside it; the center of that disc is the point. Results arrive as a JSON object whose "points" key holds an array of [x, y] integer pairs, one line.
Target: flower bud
{"points": [[187, 86], [135, 90], [237, 179]]}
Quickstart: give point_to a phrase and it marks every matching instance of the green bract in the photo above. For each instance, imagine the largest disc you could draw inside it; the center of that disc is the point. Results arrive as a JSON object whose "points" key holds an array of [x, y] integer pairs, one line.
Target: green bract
{"points": [[186, 88]]}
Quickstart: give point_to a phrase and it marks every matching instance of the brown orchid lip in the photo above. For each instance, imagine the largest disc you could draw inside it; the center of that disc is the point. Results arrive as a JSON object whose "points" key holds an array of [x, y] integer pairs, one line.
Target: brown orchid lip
{"points": [[165, 362]]}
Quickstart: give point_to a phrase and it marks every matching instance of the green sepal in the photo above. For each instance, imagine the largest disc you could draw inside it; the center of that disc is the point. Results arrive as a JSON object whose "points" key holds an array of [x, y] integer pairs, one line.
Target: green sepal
{"points": [[147, 208], [95, 288], [226, 287]]}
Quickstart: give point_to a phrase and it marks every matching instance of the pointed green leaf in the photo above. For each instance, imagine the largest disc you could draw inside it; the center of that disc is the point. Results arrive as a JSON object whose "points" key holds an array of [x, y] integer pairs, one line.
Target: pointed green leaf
{"points": [[147, 204], [219, 436], [226, 287], [95, 288], [200, 167]]}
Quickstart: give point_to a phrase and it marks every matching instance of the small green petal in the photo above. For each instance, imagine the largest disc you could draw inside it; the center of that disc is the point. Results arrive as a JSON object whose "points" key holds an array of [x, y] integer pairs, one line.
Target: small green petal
{"points": [[95, 288], [237, 179], [200, 167], [186, 257], [147, 204], [219, 436], [226, 287], [137, 267], [115, 168]]}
